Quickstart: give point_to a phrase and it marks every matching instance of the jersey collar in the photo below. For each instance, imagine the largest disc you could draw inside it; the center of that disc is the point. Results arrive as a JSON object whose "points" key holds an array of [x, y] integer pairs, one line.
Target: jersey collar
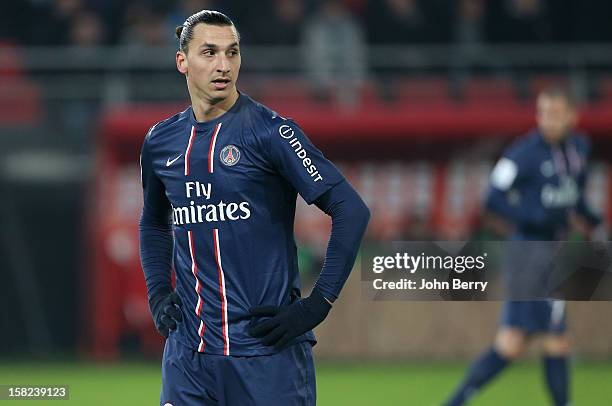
{"points": [[207, 125]]}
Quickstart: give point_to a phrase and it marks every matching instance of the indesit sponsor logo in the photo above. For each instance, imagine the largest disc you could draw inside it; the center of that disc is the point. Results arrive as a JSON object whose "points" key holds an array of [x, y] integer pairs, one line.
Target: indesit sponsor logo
{"points": [[288, 133]]}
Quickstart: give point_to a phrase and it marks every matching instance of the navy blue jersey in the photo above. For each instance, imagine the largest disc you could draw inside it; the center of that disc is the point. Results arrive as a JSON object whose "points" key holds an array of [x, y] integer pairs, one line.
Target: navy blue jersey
{"points": [[230, 187], [536, 185]]}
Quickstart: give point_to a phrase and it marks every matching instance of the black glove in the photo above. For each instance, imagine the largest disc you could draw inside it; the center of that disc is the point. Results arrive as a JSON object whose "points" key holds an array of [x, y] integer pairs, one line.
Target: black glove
{"points": [[288, 322], [166, 312]]}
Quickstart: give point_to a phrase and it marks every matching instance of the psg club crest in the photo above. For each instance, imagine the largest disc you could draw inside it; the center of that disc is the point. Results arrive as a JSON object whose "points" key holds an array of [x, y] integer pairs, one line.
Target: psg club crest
{"points": [[230, 155]]}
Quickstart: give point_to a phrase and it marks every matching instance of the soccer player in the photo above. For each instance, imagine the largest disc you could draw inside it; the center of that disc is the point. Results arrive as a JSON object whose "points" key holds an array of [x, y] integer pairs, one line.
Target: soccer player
{"points": [[546, 170], [220, 182]]}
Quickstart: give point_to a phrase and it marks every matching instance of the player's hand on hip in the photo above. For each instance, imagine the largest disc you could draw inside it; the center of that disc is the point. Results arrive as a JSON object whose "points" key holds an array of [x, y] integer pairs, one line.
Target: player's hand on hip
{"points": [[287, 322], [166, 312]]}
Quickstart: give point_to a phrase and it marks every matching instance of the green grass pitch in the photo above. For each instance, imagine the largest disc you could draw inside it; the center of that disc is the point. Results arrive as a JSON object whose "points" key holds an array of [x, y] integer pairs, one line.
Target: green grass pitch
{"points": [[419, 384]]}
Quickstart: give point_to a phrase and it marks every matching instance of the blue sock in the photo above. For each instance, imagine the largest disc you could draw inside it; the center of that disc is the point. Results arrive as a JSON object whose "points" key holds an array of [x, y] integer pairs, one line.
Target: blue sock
{"points": [[485, 368], [557, 377]]}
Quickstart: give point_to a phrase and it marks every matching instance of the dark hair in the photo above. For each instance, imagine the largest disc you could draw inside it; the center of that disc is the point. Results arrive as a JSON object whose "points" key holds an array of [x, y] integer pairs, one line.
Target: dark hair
{"points": [[184, 32], [562, 91]]}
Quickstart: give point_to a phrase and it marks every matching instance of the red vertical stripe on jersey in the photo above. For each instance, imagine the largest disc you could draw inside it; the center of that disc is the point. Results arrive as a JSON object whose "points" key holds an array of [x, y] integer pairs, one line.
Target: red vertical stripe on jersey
{"points": [[188, 150], [221, 292], [198, 286], [211, 150], [201, 333]]}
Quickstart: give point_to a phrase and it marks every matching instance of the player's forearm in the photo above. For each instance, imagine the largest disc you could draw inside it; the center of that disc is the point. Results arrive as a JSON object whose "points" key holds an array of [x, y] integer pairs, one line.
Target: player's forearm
{"points": [[156, 243], [528, 219], [497, 203], [583, 210], [156, 240], [350, 217]]}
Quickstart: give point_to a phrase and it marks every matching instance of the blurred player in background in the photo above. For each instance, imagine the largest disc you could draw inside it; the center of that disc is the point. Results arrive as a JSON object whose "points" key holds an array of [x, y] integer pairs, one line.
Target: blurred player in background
{"points": [[220, 182], [537, 186]]}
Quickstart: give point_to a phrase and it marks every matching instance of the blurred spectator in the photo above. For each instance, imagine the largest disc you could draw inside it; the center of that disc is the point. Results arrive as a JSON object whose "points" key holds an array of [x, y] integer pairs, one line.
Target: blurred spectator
{"points": [[73, 116], [333, 46], [86, 30], [51, 21], [279, 16], [469, 36], [529, 21], [470, 24], [525, 21], [111, 14], [397, 22], [145, 27], [357, 7], [48, 22], [185, 8]]}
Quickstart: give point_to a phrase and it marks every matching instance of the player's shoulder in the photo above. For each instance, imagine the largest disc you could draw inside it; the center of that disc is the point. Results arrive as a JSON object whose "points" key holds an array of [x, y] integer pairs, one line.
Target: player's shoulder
{"points": [[582, 142], [523, 147], [157, 131], [265, 119]]}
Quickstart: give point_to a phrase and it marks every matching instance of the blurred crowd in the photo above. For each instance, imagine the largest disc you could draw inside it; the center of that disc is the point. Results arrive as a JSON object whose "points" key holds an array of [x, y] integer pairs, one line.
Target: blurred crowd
{"points": [[290, 22]]}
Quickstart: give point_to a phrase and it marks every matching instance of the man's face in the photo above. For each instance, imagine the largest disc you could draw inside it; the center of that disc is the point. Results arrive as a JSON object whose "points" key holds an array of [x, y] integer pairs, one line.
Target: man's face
{"points": [[555, 117], [211, 62]]}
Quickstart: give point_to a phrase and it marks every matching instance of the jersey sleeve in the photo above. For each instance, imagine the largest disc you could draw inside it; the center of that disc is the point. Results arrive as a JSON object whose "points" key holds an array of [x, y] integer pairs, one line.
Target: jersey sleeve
{"points": [[156, 206], [155, 230], [509, 172], [510, 169], [582, 207], [299, 161], [350, 217]]}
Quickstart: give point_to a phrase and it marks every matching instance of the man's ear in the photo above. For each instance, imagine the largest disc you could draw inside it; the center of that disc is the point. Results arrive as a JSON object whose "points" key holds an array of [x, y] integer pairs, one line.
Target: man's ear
{"points": [[181, 62]]}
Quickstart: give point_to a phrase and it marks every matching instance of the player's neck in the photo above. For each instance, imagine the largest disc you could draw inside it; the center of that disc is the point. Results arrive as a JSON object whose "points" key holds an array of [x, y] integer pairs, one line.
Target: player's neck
{"points": [[204, 110], [555, 141]]}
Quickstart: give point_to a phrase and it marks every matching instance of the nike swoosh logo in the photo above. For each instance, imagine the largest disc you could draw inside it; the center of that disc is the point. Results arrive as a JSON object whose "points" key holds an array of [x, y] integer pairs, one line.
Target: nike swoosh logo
{"points": [[170, 162]]}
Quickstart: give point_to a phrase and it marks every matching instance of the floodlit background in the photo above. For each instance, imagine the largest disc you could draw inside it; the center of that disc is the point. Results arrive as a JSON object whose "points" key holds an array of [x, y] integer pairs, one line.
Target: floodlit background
{"points": [[414, 99]]}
